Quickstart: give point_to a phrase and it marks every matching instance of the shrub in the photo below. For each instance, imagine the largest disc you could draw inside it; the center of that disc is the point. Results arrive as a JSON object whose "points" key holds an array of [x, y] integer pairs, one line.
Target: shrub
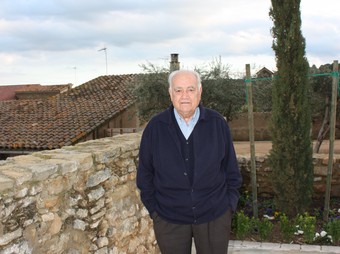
{"points": [[264, 228], [287, 228], [243, 225], [333, 228], [307, 224]]}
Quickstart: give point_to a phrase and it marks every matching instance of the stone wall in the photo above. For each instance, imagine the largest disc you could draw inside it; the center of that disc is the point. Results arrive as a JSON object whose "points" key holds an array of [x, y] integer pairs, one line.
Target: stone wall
{"points": [[79, 199], [264, 174], [83, 198]]}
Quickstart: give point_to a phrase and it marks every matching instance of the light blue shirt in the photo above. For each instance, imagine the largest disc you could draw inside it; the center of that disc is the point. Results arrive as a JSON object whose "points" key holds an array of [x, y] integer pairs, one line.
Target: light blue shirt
{"points": [[185, 127]]}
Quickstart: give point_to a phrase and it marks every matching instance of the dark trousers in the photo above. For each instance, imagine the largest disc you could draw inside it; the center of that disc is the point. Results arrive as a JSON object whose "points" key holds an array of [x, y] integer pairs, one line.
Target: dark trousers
{"points": [[209, 238]]}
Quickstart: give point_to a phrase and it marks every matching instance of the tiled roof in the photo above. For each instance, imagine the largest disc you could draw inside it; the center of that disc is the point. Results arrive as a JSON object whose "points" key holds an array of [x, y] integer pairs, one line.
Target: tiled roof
{"points": [[264, 71], [47, 88], [8, 92], [63, 119]]}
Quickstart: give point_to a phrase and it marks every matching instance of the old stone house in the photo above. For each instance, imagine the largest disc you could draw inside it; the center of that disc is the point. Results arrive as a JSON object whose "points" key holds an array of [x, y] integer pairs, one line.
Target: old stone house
{"points": [[95, 109]]}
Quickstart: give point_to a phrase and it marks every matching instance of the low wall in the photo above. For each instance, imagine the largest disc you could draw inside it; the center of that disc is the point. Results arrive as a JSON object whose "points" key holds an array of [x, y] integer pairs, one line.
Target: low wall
{"points": [[79, 199], [83, 199], [240, 127], [264, 174]]}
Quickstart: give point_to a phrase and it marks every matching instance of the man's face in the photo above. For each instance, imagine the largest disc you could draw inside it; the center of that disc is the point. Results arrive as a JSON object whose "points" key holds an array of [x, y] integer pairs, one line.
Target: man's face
{"points": [[185, 94]]}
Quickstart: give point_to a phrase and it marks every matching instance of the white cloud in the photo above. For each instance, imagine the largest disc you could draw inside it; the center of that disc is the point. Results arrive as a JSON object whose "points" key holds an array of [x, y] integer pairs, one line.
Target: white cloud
{"points": [[42, 41]]}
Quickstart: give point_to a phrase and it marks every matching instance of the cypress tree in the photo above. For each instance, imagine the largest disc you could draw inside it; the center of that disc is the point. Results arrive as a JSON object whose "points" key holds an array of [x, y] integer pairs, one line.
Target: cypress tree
{"points": [[291, 154]]}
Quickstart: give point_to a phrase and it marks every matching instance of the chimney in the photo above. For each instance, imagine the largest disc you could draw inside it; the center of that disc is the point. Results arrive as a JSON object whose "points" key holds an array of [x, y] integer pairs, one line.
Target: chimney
{"points": [[174, 64]]}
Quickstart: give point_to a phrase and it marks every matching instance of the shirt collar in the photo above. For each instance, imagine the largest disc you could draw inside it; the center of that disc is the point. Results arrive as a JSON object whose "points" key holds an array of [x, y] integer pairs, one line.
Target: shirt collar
{"points": [[194, 118]]}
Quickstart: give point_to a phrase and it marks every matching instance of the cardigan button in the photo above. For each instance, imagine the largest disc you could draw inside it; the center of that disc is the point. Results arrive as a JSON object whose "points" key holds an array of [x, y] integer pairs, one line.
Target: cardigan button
{"points": [[185, 173]]}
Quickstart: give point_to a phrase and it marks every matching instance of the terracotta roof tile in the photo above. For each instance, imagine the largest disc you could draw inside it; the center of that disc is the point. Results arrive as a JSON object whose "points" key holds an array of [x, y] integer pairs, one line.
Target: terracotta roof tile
{"points": [[63, 119], [8, 92]]}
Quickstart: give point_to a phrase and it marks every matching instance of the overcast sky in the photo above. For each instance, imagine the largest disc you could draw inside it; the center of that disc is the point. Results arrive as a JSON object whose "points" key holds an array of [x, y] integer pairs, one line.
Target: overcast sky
{"points": [[58, 41]]}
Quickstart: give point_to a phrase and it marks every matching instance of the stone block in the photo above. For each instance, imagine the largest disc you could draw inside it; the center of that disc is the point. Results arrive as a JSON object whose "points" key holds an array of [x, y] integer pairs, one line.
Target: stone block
{"points": [[6, 183], [9, 237], [96, 194], [98, 178], [43, 171], [19, 175], [56, 225]]}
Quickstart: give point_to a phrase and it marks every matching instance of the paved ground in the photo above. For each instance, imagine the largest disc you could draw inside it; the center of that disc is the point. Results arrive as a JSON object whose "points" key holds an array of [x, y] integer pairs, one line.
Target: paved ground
{"points": [[246, 247]]}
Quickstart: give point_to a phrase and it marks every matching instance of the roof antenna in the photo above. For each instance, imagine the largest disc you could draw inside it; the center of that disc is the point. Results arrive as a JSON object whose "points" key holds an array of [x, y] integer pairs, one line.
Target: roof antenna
{"points": [[104, 49]]}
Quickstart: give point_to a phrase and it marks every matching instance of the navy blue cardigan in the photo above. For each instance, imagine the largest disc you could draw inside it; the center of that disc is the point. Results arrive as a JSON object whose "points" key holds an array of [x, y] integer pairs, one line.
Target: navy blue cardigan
{"points": [[164, 185]]}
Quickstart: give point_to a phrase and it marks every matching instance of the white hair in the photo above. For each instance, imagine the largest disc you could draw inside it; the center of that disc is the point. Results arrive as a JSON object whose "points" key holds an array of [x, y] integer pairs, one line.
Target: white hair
{"points": [[194, 73]]}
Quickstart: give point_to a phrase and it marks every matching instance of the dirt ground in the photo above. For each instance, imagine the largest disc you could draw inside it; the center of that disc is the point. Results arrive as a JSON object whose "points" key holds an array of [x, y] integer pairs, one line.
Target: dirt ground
{"points": [[263, 147]]}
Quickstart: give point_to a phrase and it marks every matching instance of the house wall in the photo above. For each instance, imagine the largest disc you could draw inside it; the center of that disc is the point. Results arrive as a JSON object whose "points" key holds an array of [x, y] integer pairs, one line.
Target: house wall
{"points": [[83, 198], [126, 119], [240, 128]]}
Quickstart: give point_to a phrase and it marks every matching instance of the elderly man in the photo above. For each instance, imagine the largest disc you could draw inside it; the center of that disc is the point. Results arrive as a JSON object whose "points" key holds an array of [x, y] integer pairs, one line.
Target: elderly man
{"points": [[188, 174]]}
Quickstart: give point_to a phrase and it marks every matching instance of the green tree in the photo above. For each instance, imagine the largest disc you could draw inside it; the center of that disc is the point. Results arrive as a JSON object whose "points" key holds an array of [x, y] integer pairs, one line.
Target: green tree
{"points": [[220, 92], [291, 154], [151, 91], [262, 94]]}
